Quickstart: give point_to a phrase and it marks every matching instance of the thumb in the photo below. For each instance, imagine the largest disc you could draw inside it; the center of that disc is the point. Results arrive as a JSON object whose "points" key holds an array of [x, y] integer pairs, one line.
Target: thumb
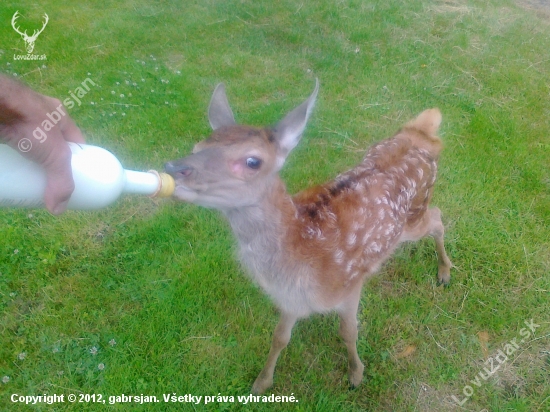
{"points": [[70, 131], [59, 181]]}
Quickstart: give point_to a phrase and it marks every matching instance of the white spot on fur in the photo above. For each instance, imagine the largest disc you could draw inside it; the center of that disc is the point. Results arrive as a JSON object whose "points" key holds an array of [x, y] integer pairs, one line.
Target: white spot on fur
{"points": [[339, 256], [352, 238], [375, 247], [354, 275], [313, 232]]}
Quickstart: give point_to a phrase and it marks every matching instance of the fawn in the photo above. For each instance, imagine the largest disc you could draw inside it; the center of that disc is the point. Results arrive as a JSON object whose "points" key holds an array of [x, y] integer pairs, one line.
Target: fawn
{"points": [[312, 252]]}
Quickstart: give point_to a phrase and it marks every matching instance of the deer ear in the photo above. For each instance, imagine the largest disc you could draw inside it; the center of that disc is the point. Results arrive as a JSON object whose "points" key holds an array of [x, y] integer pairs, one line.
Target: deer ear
{"points": [[289, 130], [219, 112]]}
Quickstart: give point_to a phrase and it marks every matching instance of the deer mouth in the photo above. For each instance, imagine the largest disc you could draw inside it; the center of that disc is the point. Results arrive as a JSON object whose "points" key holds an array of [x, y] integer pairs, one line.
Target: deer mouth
{"points": [[184, 193], [180, 173]]}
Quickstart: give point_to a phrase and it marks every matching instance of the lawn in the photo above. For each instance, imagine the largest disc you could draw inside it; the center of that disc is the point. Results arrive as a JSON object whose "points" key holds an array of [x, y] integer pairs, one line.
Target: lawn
{"points": [[146, 298]]}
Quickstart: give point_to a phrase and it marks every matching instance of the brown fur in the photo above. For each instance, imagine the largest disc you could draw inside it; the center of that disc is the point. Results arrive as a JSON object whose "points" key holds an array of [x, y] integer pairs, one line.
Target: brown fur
{"points": [[312, 252]]}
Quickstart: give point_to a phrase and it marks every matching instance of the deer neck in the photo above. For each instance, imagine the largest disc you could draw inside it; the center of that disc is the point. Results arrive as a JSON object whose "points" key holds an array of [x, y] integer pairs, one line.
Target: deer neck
{"points": [[265, 222], [262, 233]]}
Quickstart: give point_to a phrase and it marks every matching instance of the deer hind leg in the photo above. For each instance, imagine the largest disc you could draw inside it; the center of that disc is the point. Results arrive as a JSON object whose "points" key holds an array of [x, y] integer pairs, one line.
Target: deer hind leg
{"points": [[348, 332], [431, 225], [281, 337]]}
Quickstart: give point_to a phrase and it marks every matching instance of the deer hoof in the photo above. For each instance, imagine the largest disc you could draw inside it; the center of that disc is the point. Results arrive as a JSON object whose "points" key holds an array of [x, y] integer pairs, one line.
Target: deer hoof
{"points": [[356, 376], [261, 384], [444, 278]]}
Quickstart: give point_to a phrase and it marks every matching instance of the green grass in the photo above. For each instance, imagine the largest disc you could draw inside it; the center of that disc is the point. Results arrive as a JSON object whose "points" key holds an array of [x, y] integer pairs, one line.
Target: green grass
{"points": [[153, 286]]}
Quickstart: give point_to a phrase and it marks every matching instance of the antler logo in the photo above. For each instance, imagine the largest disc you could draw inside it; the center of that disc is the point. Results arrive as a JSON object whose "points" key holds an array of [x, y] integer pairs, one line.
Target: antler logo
{"points": [[29, 40]]}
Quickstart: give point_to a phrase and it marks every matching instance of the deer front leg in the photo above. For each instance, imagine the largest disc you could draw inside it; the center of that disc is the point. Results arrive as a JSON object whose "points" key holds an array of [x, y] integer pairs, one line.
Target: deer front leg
{"points": [[348, 332], [281, 337]]}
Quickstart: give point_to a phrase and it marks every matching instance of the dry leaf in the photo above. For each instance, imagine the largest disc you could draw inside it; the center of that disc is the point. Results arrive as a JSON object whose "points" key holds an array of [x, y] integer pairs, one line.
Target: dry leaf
{"points": [[408, 351], [483, 340]]}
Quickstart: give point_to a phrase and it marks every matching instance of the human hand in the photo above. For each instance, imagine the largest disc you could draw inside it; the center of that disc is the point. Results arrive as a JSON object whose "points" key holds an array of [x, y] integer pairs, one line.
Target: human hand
{"points": [[22, 111]]}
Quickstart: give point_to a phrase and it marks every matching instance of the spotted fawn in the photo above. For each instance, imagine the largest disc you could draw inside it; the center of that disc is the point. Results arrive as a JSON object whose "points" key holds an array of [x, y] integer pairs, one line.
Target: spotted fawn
{"points": [[312, 252]]}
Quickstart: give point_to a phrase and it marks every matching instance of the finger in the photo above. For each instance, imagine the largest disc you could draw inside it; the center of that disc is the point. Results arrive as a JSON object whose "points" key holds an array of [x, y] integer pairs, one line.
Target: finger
{"points": [[59, 180], [70, 131]]}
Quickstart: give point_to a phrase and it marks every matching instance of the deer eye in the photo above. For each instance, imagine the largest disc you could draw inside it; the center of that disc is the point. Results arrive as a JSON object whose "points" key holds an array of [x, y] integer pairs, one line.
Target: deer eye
{"points": [[253, 163]]}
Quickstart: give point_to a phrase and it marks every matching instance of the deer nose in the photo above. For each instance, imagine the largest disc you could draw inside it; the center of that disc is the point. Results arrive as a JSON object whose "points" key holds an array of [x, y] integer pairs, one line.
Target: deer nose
{"points": [[175, 169]]}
